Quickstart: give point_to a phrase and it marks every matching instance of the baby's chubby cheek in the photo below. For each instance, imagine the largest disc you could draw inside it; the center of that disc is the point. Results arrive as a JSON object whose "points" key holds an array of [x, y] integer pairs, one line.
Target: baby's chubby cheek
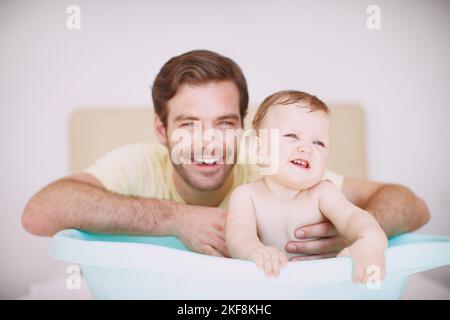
{"points": [[319, 170]]}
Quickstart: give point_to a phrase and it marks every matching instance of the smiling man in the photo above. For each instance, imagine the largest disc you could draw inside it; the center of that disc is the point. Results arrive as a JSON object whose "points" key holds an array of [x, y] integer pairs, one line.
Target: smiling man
{"points": [[140, 189]]}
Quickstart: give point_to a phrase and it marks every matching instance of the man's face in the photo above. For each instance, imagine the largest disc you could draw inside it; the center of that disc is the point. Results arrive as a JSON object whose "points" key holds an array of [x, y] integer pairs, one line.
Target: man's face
{"points": [[198, 118]]}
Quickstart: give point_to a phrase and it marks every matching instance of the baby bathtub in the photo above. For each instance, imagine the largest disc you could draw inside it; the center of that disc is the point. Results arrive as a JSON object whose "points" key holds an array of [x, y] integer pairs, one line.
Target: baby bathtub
{"points": [[141, 267]]}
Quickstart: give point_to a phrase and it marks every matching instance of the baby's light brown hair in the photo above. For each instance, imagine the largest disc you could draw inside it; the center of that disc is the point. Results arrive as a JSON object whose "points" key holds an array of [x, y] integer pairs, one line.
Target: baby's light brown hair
{"points": [[286, 97]]}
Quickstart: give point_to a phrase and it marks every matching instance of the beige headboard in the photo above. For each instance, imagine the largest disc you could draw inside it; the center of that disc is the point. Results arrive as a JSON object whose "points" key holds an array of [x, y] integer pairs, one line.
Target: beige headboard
{"points": [[93, 132]]}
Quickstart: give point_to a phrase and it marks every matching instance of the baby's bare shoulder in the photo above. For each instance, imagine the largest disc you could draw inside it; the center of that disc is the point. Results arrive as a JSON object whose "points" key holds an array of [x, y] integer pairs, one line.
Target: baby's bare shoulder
{"points": [[244, 190], [329, 194], [249, 190], [325, 188]]}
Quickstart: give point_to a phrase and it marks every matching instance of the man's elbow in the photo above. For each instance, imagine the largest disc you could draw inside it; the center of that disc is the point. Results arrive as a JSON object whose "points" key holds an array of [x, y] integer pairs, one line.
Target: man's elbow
{"points": [[32, 220], [423, 213]]}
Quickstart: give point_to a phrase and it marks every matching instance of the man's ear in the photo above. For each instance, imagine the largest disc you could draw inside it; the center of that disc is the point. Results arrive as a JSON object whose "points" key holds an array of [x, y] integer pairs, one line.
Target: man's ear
{"points": [[160, 130]]}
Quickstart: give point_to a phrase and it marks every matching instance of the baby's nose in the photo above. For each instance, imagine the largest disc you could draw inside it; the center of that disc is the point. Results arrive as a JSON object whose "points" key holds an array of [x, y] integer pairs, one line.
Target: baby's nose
{"points": [[304, 147]]}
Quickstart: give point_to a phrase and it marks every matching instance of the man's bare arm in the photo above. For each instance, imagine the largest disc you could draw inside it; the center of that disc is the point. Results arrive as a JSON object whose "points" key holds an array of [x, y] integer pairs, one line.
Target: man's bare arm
{"points": [[396, 208], [81, 202]]}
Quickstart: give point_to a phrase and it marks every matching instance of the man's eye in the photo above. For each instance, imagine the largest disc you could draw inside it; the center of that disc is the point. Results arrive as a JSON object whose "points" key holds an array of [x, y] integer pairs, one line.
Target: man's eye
{"points": [[320, 143], [290, 135], [187, 124], [226, 123]]}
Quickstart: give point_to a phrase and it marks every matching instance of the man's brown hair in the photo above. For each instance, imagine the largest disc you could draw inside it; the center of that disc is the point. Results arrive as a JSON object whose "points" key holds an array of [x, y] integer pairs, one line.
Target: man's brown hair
{"points": [[286, 97], [196, 67]]}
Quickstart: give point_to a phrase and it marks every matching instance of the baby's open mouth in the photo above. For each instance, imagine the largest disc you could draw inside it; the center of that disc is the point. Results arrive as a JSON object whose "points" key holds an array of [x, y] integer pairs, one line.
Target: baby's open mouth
{"points": [[302, 163]]}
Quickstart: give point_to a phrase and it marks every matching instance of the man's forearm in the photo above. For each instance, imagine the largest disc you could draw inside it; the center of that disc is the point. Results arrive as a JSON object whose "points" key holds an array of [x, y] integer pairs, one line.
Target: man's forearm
{"points": [[72, 204], [397, 209]]}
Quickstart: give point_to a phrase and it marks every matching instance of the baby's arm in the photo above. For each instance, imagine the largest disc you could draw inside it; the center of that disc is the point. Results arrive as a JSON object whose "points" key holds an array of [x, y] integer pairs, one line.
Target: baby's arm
{"points": [[242, 236], [368, 240]]}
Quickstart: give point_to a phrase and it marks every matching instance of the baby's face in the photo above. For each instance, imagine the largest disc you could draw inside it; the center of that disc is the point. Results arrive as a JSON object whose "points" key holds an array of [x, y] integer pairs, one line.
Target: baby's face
{"points": [[303, 144]]}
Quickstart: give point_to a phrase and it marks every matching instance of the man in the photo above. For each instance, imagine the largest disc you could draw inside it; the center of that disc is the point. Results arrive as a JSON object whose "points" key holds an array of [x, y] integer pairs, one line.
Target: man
{"points": [[138, 189]]}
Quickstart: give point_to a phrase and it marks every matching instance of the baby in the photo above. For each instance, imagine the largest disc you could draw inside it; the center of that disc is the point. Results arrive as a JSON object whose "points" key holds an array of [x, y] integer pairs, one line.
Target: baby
{"points": [[263, 215]]}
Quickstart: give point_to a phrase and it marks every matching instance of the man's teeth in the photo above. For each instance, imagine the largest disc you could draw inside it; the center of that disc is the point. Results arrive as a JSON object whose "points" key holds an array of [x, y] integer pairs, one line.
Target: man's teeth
{"points": [[208, 161]]}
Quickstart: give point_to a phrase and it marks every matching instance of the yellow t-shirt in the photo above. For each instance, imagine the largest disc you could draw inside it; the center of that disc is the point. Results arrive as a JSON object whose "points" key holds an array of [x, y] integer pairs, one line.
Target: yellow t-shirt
{"points": [[145, 170]]}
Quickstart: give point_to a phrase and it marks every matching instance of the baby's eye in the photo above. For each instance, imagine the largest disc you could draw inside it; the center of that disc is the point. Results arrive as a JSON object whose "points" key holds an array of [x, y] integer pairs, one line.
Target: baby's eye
{"points": [[320, 143], [290, 135]]}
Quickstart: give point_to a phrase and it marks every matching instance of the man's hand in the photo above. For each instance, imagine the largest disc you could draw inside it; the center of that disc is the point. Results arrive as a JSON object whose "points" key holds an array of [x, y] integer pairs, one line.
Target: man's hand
{"points": [[202, 229], [319, 241]]}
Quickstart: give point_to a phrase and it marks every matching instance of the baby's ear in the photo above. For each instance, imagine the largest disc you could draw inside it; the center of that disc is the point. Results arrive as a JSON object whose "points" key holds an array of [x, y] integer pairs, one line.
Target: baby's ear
{"points": [[258, 153], [263, 159], [248, 148]]}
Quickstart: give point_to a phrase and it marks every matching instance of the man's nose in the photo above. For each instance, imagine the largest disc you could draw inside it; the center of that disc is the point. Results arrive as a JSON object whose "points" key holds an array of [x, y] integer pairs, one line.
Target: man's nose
{"points": [[207, 136], [199, 135]]}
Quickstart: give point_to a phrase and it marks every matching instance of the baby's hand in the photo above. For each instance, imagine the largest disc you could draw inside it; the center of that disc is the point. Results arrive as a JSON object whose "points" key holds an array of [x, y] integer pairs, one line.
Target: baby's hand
{"points": [[268, 258], [368, 256]]}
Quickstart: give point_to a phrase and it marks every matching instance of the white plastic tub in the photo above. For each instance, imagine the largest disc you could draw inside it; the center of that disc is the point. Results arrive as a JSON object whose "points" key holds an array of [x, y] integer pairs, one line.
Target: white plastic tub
{"points": [[132, 267]]}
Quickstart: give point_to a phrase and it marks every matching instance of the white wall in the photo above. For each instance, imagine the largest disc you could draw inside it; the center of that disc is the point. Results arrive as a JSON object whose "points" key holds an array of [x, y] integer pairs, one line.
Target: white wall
{"points": [[399, 74]]}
